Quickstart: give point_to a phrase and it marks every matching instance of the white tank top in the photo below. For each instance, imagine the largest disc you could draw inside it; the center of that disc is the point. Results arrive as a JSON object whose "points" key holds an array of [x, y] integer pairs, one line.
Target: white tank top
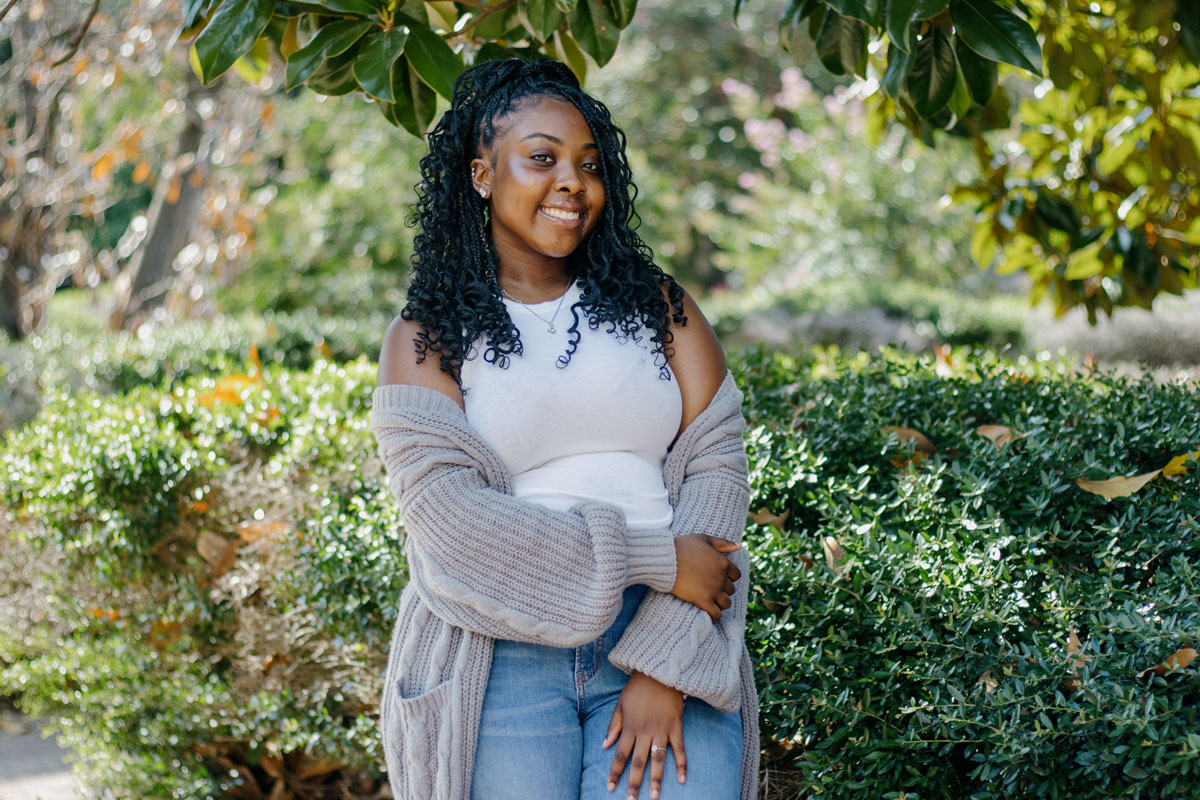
{"points": [[597, 429]]}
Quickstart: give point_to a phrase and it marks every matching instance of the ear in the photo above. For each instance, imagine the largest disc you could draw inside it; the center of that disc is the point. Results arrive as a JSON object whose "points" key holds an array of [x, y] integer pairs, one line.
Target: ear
{"points": [[481, 176]]}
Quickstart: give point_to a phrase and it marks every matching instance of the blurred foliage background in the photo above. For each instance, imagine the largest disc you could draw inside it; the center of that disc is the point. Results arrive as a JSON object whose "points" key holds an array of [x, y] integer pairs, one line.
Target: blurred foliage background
{"points": [[197, 275]]}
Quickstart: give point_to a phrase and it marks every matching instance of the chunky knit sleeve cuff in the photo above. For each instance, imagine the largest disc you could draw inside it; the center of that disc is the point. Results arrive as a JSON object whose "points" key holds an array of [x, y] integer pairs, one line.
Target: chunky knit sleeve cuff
{"points": [[650, 559]]}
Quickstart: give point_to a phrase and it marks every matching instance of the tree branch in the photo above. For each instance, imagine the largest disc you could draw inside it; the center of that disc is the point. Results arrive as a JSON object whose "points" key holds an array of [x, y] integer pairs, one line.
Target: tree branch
{"points": [[74, 43], [4, 11]]}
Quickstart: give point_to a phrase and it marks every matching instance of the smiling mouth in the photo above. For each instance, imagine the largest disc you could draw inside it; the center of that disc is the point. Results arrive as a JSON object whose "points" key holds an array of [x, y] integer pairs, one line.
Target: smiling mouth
{"points": [[559, 213]]}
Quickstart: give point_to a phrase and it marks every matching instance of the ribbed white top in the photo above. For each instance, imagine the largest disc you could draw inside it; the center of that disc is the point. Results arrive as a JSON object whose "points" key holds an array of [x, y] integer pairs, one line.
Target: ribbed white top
{"points": [[597, 429]]}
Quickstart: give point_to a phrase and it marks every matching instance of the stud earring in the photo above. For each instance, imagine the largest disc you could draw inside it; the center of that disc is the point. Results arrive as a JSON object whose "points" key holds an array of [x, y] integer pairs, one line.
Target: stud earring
{"points": [[483, 192]]}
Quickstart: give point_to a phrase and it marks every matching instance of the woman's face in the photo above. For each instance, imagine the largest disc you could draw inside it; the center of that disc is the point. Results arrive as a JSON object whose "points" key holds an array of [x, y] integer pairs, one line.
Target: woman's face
{"points": [[542, 175]]}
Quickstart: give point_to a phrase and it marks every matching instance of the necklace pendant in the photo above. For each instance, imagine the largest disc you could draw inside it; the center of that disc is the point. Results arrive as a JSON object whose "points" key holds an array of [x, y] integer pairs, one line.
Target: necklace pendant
{"points": [[551, 329]]}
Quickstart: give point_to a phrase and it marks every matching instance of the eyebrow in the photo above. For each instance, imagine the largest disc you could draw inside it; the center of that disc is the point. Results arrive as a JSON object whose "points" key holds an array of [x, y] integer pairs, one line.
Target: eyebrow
{"points": [[556, 140]]}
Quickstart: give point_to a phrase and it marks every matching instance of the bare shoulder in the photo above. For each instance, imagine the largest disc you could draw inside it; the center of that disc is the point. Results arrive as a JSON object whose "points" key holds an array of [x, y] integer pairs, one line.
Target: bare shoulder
{"points": [[398, 362], [698, 360]]}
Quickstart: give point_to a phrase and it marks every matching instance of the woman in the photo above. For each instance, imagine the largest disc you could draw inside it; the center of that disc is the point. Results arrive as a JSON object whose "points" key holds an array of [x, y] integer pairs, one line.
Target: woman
{"points": [[564, 442]]}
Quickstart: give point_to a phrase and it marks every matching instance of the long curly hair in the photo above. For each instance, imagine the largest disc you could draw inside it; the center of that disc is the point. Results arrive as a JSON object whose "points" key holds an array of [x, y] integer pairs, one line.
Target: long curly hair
{"points": [[454, 294]]}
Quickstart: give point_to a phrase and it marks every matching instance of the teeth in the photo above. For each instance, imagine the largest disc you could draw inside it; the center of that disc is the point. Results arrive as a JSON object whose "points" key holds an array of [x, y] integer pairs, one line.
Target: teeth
{"points": [[558, 213]]}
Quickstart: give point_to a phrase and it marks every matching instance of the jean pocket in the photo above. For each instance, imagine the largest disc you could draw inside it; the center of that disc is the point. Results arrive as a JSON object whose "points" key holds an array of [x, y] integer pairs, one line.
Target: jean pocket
{"points": [[421, 731]]}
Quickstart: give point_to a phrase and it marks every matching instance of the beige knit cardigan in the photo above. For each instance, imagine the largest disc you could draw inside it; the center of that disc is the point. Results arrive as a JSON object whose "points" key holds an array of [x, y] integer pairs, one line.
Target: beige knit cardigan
{"points": [[485, 565]]}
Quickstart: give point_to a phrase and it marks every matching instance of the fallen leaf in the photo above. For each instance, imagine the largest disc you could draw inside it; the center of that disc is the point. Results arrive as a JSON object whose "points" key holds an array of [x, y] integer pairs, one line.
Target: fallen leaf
{"points": [[218, 551], [306, 767], [275, 658], [257, 529], [999, 435], [1117, 487], [764, 517], [924, 446], [258, 370], [833, 553], [103, 166], [1180, 659], [1075, 648], [272, 765], [943, 361], [1176, 465], [807, 562], [988, 681]]}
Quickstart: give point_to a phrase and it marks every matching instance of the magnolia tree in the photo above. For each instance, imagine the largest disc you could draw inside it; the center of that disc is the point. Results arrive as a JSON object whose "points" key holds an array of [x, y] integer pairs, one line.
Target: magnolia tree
{"points": [[1083, 115]]}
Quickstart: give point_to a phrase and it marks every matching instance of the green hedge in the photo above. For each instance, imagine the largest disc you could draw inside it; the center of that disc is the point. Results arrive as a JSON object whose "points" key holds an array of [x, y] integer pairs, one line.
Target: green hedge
{"points": [[78, 357], [928, 654], [222, 579], [223, 583]]}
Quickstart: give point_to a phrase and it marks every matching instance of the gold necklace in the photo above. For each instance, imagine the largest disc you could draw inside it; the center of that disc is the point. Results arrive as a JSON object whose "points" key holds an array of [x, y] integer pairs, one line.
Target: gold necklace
{"points": [[549, 322]]}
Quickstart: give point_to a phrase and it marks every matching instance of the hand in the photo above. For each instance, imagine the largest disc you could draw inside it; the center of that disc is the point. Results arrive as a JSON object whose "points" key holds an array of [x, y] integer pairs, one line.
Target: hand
{"points": [[647, 713], [704, 576]]}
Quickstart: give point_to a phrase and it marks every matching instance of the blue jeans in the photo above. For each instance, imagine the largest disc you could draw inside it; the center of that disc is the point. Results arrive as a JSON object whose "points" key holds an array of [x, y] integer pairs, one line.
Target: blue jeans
{"points": [[546, 712]]}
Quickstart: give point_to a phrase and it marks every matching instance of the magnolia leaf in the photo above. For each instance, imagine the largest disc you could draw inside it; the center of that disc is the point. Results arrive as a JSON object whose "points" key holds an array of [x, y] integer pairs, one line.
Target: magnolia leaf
{"points": [[432, 59], [934, 74], [1180, 659], [1176, 465], [572, 54], [980, 73], [542, 17], [841, 43], [596, 29], [1117, 487], [833, 553], [373, 67], [230, 33], [330, 41], [999, 434], [997, 33], [764, 517], [899, 64]]}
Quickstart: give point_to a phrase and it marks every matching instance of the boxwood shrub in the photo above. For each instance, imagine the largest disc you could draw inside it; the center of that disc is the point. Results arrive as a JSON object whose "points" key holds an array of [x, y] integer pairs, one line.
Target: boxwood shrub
{"points": [[958, 620], [220, 580], [968, 622]]}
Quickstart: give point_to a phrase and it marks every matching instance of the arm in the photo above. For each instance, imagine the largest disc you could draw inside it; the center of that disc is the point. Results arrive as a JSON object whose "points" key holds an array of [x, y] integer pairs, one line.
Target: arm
{"points": [[669, 640], [482, 559]]}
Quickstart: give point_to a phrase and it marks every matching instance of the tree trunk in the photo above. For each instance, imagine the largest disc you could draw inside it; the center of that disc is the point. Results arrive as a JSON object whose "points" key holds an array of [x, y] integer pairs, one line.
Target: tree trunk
{"points": [[176, 202]]}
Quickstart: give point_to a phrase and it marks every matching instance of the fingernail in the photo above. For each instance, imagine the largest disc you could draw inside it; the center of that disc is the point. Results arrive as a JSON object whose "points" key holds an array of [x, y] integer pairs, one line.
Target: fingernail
{"points": [[682, 777], [611, 786]]}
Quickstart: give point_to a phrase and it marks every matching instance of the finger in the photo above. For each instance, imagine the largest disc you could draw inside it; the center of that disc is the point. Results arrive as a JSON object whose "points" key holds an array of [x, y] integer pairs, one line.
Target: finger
{"points": [[614, 727], [729, 587], [637, 767], [723, 601], [733, 572], [658, 760], [676, 741], [713, 612], [624, 746], [724, 545]]}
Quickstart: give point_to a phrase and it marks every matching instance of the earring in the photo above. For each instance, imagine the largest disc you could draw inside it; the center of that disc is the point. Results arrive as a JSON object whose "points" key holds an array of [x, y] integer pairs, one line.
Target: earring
{"points": [[483, 192]]}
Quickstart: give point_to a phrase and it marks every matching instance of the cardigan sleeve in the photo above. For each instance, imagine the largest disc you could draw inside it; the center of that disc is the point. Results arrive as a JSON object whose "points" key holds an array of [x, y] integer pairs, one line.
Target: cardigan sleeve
{"points": [[671, 640], [492, 563]]}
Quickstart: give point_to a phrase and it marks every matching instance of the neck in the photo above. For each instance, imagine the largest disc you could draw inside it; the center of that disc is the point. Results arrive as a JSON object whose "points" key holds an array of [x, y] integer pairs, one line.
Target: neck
{"points": [[534, 286]]}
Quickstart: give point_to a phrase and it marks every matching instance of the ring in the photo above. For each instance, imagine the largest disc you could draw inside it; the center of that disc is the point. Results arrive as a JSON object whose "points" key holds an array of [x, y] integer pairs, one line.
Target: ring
{"points": [[654, 748]]}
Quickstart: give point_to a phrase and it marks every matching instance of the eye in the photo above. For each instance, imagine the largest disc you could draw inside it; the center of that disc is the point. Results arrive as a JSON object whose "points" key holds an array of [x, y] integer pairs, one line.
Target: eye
{"points": [[544, 158], [592, 166]]}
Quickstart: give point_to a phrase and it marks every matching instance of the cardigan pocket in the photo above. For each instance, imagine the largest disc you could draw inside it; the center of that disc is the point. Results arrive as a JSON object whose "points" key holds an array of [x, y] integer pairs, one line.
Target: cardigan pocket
{"points": [[423, 726]]}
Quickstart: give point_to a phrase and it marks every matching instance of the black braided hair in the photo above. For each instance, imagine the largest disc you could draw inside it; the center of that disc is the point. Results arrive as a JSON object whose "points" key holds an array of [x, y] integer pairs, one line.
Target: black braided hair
{"points": [[454, 294]]}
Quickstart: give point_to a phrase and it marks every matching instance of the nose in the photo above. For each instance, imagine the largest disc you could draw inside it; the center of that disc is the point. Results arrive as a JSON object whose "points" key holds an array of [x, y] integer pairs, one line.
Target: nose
{"points": [[569, 179]]}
